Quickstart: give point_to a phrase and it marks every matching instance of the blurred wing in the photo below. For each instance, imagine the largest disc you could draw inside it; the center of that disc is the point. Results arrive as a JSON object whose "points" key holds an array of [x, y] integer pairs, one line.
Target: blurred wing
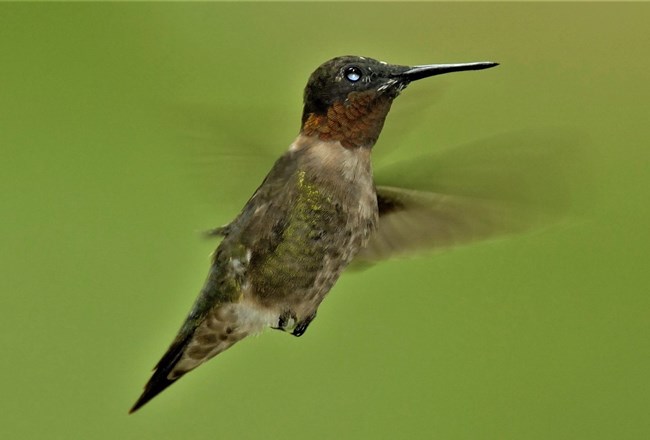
{"points": [[411, 221], [504, 185], [224, 159]]}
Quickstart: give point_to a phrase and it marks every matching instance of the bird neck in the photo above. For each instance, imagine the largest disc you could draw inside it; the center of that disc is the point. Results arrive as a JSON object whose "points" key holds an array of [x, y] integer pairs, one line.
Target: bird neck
{"points": [[330, 160], [355, 122]]}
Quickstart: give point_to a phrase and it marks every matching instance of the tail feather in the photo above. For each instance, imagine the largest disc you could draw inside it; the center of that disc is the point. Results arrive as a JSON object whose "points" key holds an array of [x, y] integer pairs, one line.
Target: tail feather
{"points": [[160, 379], [202, 337]]}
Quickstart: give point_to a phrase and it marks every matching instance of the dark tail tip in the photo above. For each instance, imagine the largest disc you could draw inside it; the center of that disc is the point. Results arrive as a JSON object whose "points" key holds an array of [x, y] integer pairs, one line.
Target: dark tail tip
{"points": [[160, 379], [155, 386]]}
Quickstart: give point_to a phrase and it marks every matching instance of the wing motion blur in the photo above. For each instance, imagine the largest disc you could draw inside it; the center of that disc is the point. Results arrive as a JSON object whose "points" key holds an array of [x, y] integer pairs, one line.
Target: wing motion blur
{"points": [[504, 185]]}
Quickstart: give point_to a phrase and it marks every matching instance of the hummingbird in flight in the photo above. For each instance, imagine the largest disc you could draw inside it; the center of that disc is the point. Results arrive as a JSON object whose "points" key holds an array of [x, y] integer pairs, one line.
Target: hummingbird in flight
{"points": [[317, 210]]}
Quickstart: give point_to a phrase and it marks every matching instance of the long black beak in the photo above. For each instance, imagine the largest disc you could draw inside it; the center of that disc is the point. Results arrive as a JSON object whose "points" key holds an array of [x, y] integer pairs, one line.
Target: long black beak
{"points": [[418, 72]]}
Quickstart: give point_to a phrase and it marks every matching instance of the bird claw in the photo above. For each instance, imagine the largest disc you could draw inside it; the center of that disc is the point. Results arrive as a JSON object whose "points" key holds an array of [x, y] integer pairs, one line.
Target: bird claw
{"points": [[301, 327], [286, 320]]}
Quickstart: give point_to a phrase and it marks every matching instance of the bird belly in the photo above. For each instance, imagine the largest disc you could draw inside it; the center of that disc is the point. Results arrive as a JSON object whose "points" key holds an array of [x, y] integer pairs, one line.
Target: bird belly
{"points": [[225, 325]]}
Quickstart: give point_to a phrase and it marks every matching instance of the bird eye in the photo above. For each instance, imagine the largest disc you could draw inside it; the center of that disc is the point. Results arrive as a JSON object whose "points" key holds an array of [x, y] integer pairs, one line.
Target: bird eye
{"points": [[353, 74]]}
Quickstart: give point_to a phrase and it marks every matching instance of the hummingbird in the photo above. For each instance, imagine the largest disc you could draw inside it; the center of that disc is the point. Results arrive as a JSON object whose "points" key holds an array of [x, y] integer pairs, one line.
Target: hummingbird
{"points": [[317, 209]]}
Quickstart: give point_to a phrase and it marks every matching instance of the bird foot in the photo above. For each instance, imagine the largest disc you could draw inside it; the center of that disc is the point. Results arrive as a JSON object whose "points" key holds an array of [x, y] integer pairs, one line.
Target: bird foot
{"points": [[301, 327], [286, 320]]}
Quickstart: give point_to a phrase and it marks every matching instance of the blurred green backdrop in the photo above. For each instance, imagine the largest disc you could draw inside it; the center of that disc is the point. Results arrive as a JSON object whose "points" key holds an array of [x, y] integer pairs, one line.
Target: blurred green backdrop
{"points": [[110, 117]]}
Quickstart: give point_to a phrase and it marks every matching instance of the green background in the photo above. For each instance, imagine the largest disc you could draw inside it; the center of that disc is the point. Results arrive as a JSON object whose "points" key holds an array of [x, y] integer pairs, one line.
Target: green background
{"points": [[127, 128]]}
